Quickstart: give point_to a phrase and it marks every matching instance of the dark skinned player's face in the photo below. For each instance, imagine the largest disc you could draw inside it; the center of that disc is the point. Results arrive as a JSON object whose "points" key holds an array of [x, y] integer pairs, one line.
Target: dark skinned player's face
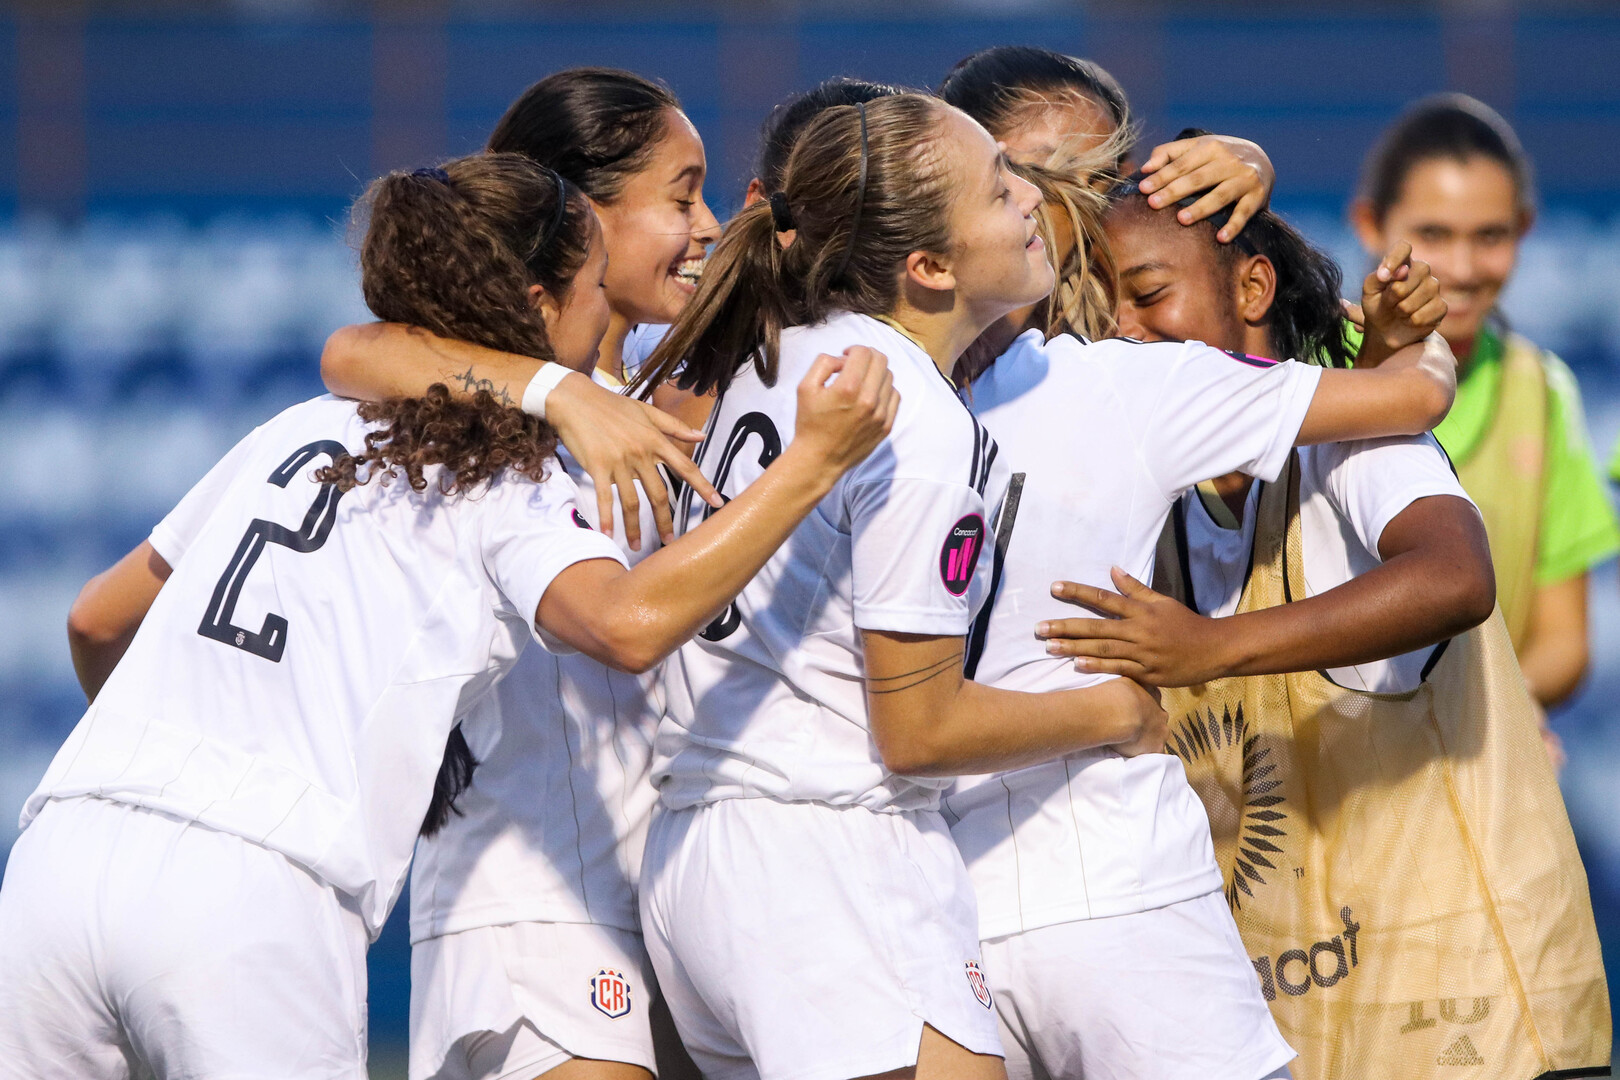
{"points": [[1174, 285]]}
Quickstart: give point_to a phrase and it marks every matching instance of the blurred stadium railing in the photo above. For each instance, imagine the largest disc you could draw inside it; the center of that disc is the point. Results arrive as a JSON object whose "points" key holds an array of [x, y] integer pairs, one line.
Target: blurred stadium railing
{"points": [[172, 251]]}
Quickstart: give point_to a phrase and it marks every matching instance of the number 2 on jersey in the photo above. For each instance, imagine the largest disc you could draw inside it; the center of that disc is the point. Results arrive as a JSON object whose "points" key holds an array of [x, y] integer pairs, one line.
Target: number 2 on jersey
{"points": [[271, 639]]}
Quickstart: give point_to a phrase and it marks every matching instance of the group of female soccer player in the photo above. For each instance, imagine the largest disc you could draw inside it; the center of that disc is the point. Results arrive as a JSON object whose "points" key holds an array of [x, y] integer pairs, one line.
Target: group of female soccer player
{"points": [[801, 779]]}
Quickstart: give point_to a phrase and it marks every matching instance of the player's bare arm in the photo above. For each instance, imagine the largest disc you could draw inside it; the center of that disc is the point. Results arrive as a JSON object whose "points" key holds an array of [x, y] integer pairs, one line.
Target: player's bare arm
{"points": [[1435, 582], [108, 611], [1413, 375], [617, 440], [632, 619], [1556, 650], [928, 720], [1407, 394]]}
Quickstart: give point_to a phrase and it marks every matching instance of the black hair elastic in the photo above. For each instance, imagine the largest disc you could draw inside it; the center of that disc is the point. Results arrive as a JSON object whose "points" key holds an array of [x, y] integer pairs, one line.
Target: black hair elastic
{"points": [[781, 213], [860, 200], [557, 214], [434, 174]]}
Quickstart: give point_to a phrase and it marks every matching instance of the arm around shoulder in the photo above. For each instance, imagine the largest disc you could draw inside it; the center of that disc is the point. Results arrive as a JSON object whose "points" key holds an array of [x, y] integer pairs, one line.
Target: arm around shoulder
{"points": [[632, 619], [1408, 394], [927, 720]]}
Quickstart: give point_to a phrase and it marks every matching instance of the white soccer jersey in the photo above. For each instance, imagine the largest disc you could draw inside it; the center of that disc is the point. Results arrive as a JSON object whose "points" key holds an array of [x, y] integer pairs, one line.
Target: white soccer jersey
{"points": [[1348, 492], [298, 674], [769, 700], [552, 827], [1102, 438]]}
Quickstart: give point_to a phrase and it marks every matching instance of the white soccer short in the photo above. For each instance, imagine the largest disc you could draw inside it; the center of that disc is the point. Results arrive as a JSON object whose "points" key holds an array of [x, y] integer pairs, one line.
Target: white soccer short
{"points": [[799, 941], [135, 943], [1155, 995], [517, 1001]]}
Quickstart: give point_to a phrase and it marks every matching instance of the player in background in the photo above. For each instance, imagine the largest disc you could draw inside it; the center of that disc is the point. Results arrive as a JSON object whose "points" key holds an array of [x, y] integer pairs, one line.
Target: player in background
{"points": [[1451, 178], [806, 911], [625, 142], [1394, 787], [274, 675]]}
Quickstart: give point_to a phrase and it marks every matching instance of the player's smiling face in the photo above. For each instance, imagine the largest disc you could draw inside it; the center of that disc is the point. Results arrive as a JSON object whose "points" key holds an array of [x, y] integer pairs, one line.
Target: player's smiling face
{"points": [[658, 227], [997, 258], [1173, 283], [1463, 218]]}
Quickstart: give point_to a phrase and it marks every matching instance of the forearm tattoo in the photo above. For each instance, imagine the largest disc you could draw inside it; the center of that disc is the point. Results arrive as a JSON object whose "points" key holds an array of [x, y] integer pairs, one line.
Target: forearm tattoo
{"points": [[471, 384]]}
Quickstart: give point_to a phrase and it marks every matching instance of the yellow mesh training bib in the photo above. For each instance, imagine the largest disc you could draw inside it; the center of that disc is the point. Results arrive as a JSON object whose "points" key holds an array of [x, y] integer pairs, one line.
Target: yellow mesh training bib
{"points": [[1400, 866], [1505, 475]]}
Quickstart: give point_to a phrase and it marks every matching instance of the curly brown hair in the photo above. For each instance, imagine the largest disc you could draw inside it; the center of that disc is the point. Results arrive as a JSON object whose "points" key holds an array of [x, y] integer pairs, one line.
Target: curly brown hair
{"points": [[455, 250], [472, 440]]}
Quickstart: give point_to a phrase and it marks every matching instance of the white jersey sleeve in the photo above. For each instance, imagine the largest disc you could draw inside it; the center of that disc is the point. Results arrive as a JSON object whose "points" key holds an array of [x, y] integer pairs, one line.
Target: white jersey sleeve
{"points": [[1369, 482], [1349, 493], [1213, 412], [173, 535], [918, 516], [915, 586], [524, 559]]}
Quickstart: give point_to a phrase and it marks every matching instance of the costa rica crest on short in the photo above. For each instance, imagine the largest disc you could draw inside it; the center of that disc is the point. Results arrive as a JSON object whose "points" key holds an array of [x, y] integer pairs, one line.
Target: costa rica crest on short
{"points": [[981, 989], [610, 993]]}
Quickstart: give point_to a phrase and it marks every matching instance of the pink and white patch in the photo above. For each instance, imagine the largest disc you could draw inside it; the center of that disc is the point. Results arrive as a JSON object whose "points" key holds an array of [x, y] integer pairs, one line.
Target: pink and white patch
{"points": [[960, 555]]}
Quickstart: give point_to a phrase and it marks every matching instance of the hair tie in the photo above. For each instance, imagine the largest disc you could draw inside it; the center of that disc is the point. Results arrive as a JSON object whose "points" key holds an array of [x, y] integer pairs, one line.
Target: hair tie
{"points": [[860, 201], [781, 213], [434, 174], [555, 224]]}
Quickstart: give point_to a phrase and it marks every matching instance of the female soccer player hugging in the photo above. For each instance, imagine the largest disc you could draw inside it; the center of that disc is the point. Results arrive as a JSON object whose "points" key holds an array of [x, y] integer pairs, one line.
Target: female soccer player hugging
{"points": [[806, 912], [1375, 770], [1101, 915], [526, 951], [275, 673], [624, 141], [1101, 910]]}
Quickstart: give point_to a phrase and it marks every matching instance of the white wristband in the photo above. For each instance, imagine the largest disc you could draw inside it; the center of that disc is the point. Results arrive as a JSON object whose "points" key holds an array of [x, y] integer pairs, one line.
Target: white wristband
{"points": [[540, 387]]}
